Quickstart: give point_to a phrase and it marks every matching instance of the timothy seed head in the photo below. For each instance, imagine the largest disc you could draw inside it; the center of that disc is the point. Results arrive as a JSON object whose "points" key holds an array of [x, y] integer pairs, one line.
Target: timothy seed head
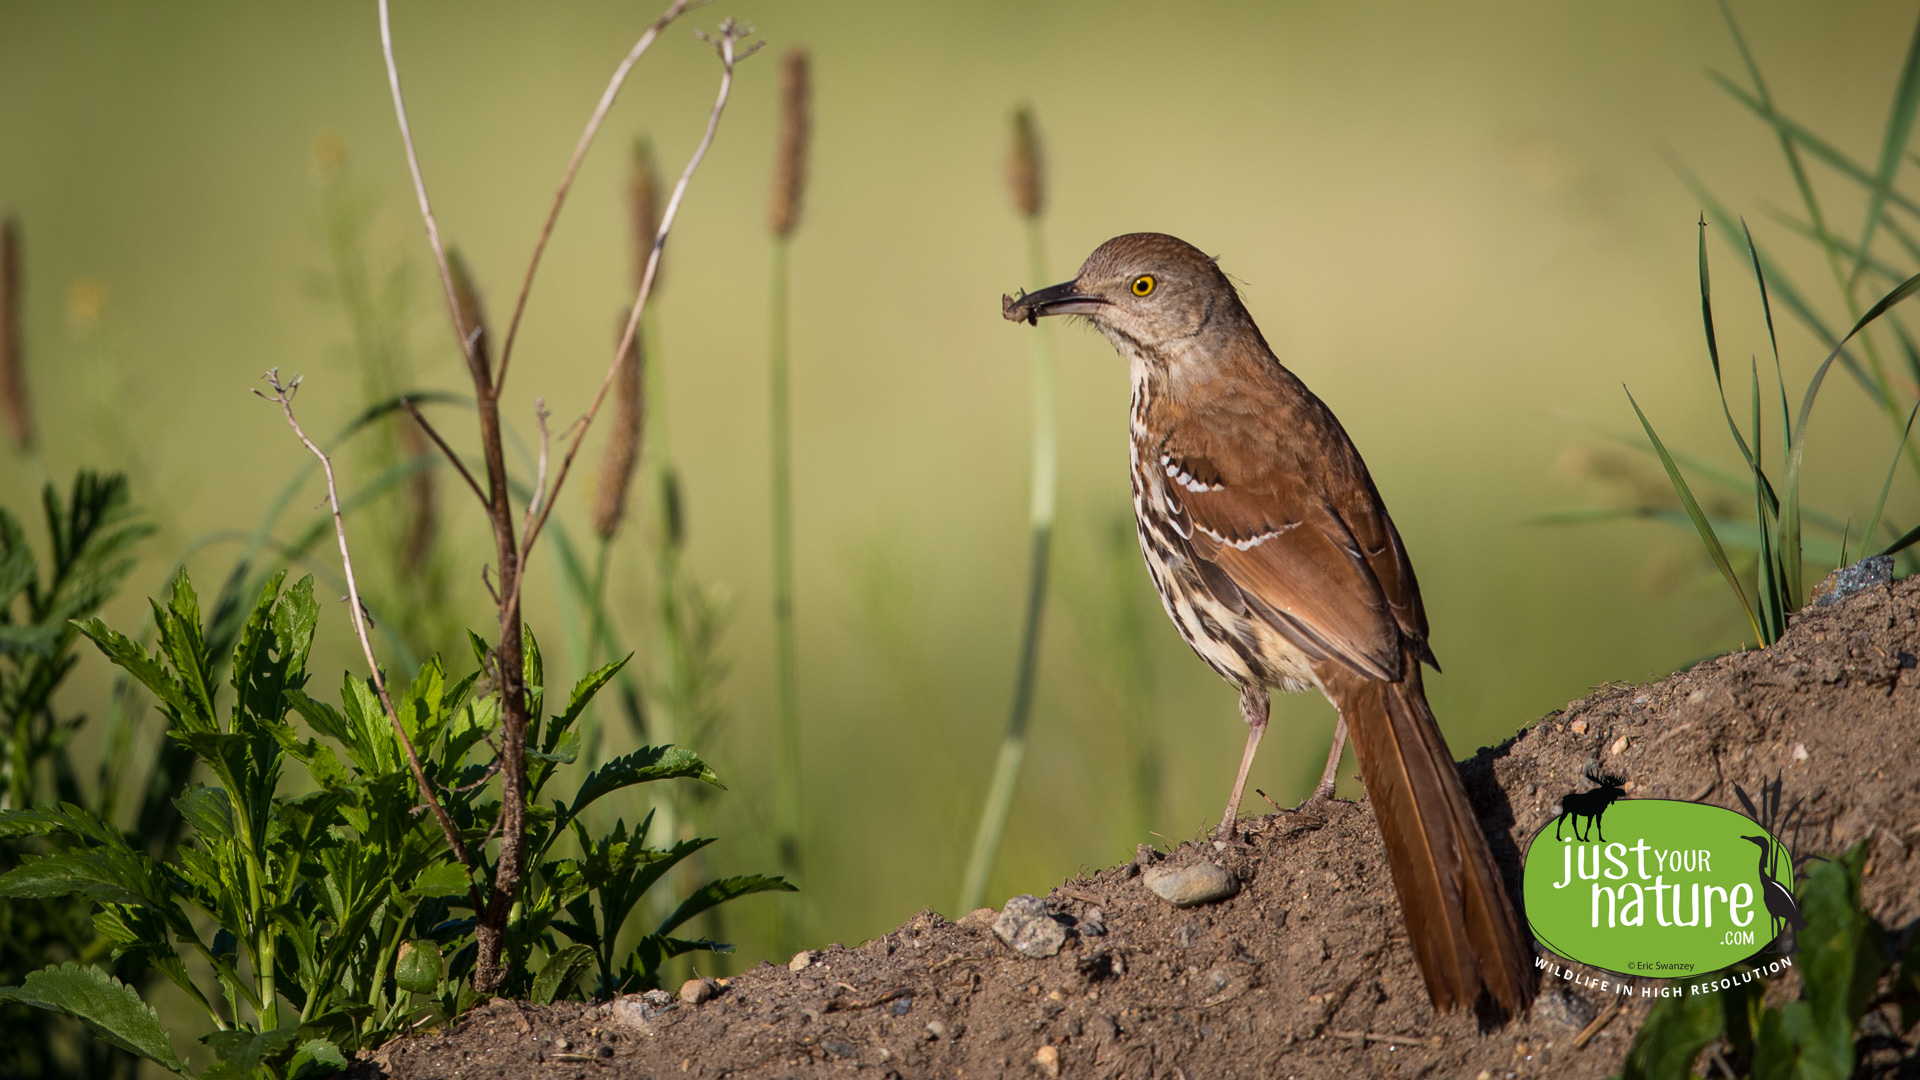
{"points": [[1026, 169], [422, 514], [672, 520], [622, 454], [790, 166], [15, 407], [473, 316], [643, 210]]}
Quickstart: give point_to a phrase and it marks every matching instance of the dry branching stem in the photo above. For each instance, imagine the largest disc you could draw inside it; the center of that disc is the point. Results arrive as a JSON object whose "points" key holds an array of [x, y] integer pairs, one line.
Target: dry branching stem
{"points": [[674, 11], [725, 43], [511, 550], [461, 466], [283, 396]]}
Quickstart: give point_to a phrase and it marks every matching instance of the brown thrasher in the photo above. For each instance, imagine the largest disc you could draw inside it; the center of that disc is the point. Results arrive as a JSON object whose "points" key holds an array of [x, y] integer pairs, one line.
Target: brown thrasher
{"points": [[1278, 563]]}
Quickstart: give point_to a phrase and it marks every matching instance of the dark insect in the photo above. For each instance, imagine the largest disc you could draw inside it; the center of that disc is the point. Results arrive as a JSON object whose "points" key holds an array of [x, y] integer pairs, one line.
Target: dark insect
{"points": [[1589, 805]]}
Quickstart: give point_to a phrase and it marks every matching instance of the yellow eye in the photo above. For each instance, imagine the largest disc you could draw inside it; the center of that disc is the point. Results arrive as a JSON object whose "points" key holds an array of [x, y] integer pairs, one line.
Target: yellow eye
{"points": [[1143, 285]]}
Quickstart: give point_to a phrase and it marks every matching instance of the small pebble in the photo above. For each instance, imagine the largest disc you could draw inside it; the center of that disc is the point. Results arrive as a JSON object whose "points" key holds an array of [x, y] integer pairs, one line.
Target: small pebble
{"points": [[838, 1048], [936, 1029], [901, 1007], [1048, 1060], [1619, 745], [1093, 923], [1186, 886], [801, 961], [562, 1044], [1578, 727], [978, 919], [1799, 751], [1029, 928], [696, 991]]}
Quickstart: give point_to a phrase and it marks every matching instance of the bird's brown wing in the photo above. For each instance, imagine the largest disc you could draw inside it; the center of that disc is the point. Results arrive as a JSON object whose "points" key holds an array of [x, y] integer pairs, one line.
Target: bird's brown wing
{"points": [[1319, 561]]}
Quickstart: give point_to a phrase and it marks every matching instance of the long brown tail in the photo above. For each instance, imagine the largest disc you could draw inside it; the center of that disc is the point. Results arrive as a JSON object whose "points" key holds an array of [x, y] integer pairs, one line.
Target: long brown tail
{"points": [[1464, 933]]}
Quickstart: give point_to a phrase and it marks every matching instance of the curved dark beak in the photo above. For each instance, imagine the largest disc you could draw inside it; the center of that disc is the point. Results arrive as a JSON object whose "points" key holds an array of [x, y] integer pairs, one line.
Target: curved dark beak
{"points": [[1061, 299]]}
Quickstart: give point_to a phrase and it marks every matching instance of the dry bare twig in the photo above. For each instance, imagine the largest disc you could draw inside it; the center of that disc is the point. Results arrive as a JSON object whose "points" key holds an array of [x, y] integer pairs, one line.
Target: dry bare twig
{"points": [[674, 11], [283, 396], [728, 37], [414, 411]]}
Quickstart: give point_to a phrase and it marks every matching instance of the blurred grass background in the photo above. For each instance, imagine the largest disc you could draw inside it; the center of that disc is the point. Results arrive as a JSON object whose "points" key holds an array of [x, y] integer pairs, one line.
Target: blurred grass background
{"points": [[1453, 222]]}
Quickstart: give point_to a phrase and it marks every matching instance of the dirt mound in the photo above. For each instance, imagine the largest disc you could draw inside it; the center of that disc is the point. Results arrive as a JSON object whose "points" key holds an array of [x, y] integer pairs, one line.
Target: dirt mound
{"points": [[1306, 971]]}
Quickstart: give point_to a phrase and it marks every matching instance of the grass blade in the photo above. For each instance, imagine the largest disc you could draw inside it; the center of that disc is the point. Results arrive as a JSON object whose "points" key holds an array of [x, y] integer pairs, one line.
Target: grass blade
{"points": [[1713, 349], [1904, 542], [1797, 450], [1878, 266], [1786, 419], [1699, 518], [1906, 100], [1787, 148], [1781, 284], [1768, 580], [1873, 522], [1791, 130]]}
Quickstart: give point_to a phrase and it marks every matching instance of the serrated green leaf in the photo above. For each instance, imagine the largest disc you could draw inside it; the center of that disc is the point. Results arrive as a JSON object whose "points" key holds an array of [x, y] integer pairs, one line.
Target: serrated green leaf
{"points": [[80, 873], [238, 1053], [208, 810], [440, 879], [110, 1009], [1675, 1033], [645, 765], [715, 893], [316, 1057], [561, 971]]}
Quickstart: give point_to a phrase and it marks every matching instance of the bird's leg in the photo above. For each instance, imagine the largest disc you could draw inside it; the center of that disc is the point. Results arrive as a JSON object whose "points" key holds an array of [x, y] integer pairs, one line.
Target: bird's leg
{"points": [[1253, 706], [1325, 788]]}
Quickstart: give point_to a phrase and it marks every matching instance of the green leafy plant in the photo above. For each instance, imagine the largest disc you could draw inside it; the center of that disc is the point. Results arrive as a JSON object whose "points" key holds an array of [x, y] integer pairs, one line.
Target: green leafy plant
{"points": [[1841, 1015], [91, 536], [337, 915]]}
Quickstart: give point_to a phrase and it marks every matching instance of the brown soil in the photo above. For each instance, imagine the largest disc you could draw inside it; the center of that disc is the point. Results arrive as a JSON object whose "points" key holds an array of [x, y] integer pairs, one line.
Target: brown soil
{"points": [[1306, 972]]}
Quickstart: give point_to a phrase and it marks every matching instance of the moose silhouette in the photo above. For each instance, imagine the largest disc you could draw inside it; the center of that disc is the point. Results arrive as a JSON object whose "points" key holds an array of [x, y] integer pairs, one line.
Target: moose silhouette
{"points": [[1590, 805]]}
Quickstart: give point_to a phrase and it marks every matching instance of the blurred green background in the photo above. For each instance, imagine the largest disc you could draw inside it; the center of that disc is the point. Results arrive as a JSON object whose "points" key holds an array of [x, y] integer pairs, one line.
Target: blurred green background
{"points": [[1454, 221]]}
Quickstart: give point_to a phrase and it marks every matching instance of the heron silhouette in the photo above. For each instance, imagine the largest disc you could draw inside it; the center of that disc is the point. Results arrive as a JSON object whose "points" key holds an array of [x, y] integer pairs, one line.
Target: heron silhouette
{"points": [[1779, 901]]}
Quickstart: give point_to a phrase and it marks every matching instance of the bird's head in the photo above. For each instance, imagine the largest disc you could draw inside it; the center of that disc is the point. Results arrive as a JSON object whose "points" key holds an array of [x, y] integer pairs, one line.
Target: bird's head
{"points": [[1761, 840], [1147, 292]]}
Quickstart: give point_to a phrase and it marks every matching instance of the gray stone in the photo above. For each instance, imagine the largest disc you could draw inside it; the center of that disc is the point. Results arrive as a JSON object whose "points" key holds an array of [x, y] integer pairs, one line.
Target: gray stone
{"points": [[1566, 1009], [1029, 928], [1844, 582], [1093, 923], [1186, 886], [641, 1011]]}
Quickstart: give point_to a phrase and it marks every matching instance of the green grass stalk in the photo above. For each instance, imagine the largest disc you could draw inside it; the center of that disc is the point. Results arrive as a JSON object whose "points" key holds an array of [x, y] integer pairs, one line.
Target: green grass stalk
{"points": [[789, 188], [785, 662], [1025, 177]]}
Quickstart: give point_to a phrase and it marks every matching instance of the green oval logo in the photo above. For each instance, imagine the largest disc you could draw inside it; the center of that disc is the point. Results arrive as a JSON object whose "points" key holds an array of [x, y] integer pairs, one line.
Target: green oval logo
{"points": [[1656, 888]]}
